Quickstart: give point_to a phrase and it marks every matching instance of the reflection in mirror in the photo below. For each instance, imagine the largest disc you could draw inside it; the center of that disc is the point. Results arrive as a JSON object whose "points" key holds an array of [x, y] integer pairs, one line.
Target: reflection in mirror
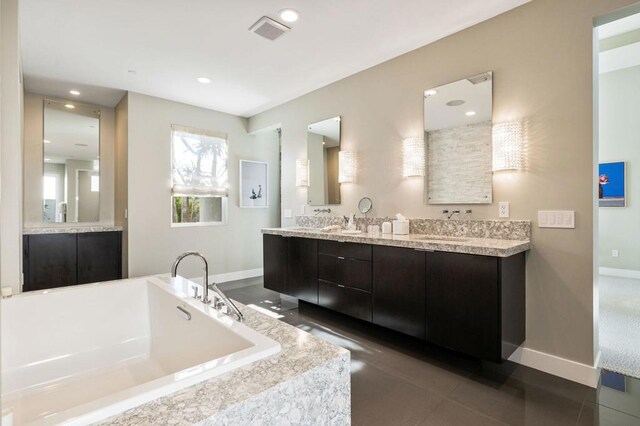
{"points": [[458, 126], [323, 146], [71, 162]]}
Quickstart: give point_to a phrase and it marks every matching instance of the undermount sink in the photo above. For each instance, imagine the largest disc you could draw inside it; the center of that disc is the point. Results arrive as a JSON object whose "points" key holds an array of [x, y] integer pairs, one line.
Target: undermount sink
{"points": [[442, 238]]}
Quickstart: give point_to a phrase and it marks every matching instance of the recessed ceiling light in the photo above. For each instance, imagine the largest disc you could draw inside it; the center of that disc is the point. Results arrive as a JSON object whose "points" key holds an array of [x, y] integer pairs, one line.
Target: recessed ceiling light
{"points": [[70, 106], [289, 15], [46, 141], [203, 80], [74, 92], [324, 143], [430, 92], [470, 113]]}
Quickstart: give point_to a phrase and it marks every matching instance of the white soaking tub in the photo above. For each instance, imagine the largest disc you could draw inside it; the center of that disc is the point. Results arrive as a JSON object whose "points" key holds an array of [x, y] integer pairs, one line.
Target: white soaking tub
{"points": [[77, 355]]}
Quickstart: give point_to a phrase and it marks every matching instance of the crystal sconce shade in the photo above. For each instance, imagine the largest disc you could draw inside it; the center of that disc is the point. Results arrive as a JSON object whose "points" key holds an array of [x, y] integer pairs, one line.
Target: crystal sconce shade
{"points": [[346, 166], [413, 157], [507, 146], [302, 172]]}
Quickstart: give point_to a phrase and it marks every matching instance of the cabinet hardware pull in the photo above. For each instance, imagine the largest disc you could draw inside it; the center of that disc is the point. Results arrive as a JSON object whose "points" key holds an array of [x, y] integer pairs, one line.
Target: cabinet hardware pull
{"points": [[340, 257]]}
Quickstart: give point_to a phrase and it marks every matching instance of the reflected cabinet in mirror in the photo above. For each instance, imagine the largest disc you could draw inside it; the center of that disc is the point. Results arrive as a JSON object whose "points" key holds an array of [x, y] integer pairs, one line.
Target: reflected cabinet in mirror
{"points": [[458, 137], [323, 146], [71, 178]]}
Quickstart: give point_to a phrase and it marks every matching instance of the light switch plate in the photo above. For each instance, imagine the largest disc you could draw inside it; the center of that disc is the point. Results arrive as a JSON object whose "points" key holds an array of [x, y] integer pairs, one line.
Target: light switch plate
{"points": [[288, 214], [503, 209], [556, 219], [302, 206], [615, 253]]}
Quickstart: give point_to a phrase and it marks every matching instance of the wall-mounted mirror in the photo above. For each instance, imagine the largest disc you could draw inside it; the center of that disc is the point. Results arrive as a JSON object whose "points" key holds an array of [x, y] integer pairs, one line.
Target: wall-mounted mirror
{"points": [[71, 169], [323, 146], [458, 137]]}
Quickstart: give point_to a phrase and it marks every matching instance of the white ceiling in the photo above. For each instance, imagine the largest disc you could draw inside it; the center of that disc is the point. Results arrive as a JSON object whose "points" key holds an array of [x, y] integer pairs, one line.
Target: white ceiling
{"points": [[171, 42], [622, 57]]}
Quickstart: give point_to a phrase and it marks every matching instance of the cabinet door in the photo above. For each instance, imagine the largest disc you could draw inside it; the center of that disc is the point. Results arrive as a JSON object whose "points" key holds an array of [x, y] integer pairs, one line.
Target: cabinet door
{"points": [[462, 303], [99, 257], [399, 289], [302, 272], [49, 261], [274, 255]]}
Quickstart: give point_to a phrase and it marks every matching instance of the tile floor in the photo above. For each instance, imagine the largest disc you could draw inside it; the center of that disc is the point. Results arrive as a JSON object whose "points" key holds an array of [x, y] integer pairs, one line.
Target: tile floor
{"points": [[401, 381]]}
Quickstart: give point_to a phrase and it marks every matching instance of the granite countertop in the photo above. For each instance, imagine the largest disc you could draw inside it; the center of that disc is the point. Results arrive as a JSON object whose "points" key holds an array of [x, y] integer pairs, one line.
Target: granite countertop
{"points": [[301, 352], [468, 245], [70, 229]]}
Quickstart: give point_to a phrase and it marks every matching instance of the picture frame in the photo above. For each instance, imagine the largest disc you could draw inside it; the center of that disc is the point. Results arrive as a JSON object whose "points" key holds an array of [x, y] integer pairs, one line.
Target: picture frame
{"points": [[612, 184], [254, 184]]}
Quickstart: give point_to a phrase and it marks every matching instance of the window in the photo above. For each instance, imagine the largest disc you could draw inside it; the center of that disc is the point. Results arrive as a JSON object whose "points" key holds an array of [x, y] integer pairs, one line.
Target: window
{"points": [[50, 190], [95, 183], [199, 176]]}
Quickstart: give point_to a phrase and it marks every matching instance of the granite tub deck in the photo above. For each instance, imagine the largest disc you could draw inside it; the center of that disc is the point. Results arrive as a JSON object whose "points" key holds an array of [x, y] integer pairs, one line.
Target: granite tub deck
{"points": [[470, 245], [307, 383]]}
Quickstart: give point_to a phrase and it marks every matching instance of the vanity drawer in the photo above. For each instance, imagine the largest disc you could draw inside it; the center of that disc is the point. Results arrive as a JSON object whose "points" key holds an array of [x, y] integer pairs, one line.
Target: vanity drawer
{"points": [[346, 250], [349, 301], [342, 270]]}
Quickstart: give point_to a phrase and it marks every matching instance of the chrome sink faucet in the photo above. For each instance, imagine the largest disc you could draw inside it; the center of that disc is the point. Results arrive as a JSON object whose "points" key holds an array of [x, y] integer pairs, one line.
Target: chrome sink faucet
{"points": [[318, 211], [219, 305]]}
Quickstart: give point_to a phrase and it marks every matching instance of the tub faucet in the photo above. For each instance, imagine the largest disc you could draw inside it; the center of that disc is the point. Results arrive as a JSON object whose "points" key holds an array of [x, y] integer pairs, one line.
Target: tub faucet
{"points": [[205, 285]]}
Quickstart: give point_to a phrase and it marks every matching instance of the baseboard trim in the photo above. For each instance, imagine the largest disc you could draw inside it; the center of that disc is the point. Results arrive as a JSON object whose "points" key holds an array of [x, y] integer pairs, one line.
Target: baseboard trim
{"points": [[621, 273], [587, 375]]}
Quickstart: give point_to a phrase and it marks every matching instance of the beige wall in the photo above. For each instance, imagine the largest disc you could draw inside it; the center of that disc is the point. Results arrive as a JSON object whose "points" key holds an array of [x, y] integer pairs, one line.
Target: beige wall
{"points": [[153, 243], [619, 134], [541, 55], [121, 175], [33, 161], [11, 98]]}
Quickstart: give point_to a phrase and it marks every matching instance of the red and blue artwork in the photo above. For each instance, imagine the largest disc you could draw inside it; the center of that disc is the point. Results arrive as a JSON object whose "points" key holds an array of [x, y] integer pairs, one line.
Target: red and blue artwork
{"points": [[611, 184]]}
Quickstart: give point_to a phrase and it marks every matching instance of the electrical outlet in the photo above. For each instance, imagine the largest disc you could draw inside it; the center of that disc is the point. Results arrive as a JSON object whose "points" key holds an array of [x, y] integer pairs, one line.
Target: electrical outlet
{"points": [[503, 209], [614, 253], [288, 214]]}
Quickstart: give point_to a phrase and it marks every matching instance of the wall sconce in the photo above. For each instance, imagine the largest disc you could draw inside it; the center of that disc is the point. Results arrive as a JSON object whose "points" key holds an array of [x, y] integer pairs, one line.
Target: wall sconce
{"points": [[346, 167], [507, 146], [413, 157], [302, 172]]}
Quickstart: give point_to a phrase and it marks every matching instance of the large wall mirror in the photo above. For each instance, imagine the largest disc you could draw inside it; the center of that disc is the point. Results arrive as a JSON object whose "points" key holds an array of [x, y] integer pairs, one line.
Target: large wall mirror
{"points": [[71, 146], [323, 146], [458, 136]]}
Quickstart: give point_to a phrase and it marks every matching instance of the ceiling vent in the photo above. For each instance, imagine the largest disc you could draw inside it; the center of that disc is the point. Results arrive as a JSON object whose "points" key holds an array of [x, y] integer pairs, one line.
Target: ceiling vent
{"points": [[480, 78], [268, 28]]}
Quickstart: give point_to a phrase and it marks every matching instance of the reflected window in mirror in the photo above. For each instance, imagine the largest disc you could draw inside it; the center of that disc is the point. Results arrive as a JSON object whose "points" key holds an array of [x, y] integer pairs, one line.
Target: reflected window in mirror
{"points": [[323, 147], [71, 166], [458, 134]]}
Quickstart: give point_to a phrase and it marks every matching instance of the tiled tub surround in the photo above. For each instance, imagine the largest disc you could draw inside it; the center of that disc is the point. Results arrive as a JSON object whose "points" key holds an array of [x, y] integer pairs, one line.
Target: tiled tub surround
{"points": [[486, 238], [70, 229], [306, 382]]}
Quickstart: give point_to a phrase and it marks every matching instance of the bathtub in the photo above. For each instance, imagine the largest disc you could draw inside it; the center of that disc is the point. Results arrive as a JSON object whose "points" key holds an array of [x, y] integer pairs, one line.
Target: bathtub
{"points": [[81, 354]]}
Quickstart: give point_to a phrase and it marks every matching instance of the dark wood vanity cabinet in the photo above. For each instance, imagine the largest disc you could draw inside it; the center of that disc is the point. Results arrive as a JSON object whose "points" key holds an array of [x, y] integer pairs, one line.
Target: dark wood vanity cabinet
{"points": [[399, 289], [469, 303], [291, 266], [476, 304], [59, 260]]}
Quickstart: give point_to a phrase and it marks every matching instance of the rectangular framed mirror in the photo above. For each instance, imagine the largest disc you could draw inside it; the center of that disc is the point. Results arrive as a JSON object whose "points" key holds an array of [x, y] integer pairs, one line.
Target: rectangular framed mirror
{"points": [[71, 166], [323, 146], [458, 136]]}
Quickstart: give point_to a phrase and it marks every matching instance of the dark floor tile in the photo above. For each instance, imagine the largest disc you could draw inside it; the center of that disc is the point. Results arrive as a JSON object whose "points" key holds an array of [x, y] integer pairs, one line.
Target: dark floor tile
{"points": [[450, 413], [598, 415], [536, 406], [379, 398], [492, 398]]}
